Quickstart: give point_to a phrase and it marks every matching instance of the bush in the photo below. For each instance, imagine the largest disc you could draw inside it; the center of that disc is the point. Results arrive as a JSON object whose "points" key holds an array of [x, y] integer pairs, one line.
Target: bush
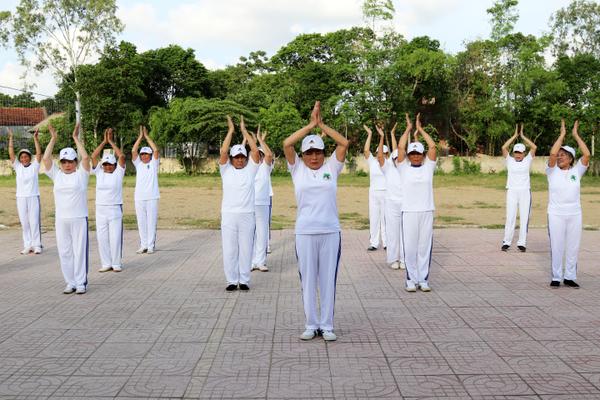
{"points": [[465, 167]]}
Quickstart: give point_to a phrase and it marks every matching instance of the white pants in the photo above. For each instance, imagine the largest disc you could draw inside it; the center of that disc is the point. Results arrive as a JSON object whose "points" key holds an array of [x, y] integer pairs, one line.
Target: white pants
{"points": [[237, 233], [261, 235], [109, 232], [73, 247], [29, 215], [565, 236], [147, 217], [517, 199], [377, 217], [393, 225], [417, 233], [318, 260]]}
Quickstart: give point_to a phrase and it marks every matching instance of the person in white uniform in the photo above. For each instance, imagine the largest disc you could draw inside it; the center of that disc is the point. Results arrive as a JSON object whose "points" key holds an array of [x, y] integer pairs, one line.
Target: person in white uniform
{"points": [[318, 234], [518, 190], [416, 171], [109, 203], [564, 206], [262, 204], [377, 191], [238, 173], [27, 169], [393, 200], [71, 211], [146, 196]]}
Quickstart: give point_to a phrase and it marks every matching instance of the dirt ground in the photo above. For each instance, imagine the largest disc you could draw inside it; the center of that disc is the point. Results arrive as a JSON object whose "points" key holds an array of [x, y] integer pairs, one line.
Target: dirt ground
{"points": [[194, 202]]}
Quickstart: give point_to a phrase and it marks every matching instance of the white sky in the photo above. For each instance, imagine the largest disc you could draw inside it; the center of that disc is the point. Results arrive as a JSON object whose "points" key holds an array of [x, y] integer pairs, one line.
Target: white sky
{"points": [[220, 31]]}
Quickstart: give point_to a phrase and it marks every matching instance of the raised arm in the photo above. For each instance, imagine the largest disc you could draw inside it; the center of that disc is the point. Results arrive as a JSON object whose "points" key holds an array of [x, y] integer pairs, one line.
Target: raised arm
{"points": [[47, 159], [528, 142], [11, 149], [267, 150], [367, 148], [251, 141], [404, 140], [380, 147], [38, 148], [585, 152], [153, 146], [224, 154], [98, 150], [290, 141], [339, 139], [118, 152], [136, 145], [393, 140], [506, 145], [431, 147], [85, 158], [556, 147]]}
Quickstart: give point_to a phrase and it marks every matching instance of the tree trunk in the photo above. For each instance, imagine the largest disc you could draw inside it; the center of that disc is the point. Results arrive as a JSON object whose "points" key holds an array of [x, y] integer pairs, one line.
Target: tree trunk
{"points": [[78, 112]]}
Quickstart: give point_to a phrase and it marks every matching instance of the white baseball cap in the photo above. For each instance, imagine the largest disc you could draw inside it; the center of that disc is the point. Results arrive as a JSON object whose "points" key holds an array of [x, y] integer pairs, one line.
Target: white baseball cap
{"points": [[237, 150], [415, 147], [312, 142], [569, 149], [146, 150], [519, 148], [24, 151], [109, 159], [68, 153], [394, 154], [385, 149]]}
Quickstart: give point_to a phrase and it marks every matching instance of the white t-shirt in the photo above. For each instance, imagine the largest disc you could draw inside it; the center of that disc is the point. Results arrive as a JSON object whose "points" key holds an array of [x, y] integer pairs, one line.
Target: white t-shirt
{"points": [[70, 192], [262, 185], [376, 178], [393, 181], [563, 189], [238, 187], [418, 185], [27, 178], [109, 187], [146, 179], [316, 198], [518, 172]]}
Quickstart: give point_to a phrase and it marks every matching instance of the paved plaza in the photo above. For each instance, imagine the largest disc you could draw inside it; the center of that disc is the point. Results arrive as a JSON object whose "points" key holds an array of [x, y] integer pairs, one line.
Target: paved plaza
{"points": [[165, 328]]}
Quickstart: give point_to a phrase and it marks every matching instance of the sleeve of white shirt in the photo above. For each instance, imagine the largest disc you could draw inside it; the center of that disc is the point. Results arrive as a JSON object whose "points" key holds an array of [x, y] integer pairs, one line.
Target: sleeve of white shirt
{"points": [[294, 167], [83, 171], [137, 161], [253, 166], [52, 172], [16, 164], [430, 164], [550, 170], [35, 163], [580, 168], [335, 165], [224, 167], [120, 170], [94, 170]]}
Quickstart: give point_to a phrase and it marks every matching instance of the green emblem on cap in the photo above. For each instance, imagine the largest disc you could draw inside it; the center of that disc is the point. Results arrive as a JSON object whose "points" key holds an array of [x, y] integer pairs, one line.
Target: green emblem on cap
{"points": [[327, 176]]}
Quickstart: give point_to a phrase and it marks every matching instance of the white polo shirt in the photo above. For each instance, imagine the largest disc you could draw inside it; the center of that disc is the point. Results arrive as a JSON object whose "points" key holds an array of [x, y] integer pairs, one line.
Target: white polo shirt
{"points": [[27, 178], [393, 181], [418, 185], [376, 178], [262, 184], [70, 192], [146, 179], [238, 187], [563, 189], [316, 196], [109, 187], [518, 172]]}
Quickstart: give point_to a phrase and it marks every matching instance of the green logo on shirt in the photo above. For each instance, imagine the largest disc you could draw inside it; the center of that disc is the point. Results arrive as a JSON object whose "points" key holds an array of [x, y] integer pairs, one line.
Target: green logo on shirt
{"points": [[327, 176], [573, 178]]}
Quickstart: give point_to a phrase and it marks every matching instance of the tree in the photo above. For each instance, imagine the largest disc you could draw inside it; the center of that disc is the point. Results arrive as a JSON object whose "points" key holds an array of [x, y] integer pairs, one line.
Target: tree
{"points": [[61, 35], [503, 16], [576, 28], [377, 10]]}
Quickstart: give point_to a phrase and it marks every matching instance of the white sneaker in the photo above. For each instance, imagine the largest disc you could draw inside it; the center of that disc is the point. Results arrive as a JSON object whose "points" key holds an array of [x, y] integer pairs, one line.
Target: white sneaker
{"points": [[117, 269], [37, 250], [69, 289], [329, 336], [105, 269], [150, 250], [263, 268], [395, 265], [308, 334], [80, 290], [410, 286], [26, 250], [402, 265], [254, 268], [141, 250], [424, 286]]}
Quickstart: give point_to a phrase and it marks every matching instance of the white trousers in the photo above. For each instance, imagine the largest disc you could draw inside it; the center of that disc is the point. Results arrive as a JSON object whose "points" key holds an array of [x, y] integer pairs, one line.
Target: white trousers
{"points": [[147, 218], [377, 217], [318, 261], [109, 232], [393, 225], [261, 235], [29, 216], [237, 234], [565, 236], [417, 232], [517, 199], [73, 247]]}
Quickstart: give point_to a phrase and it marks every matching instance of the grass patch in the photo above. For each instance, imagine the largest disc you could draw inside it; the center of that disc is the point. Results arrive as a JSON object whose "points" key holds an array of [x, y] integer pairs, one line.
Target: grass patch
{"points": [[590, 228], [448, 219], [198, 223], [493, 226], [279, 222]]}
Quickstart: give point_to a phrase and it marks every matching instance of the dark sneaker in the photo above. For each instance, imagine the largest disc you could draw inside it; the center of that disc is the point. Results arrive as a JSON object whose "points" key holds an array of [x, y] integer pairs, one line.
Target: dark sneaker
{"points": [[371, 248], [522, 249], [571, 283], [243, 286], [555, 284], [504, 247], [231, 288]]}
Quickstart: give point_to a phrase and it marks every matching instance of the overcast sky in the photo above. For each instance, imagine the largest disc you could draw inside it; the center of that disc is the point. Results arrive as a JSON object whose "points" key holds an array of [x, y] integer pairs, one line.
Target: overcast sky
{"points": [[220, 31]]}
